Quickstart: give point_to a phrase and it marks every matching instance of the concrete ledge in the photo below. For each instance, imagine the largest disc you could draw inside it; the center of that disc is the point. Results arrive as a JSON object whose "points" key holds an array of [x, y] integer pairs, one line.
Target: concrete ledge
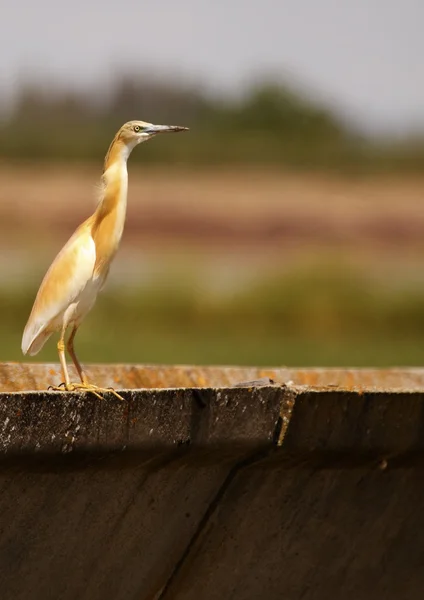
{"points": [[223, 485], [361, 412]]}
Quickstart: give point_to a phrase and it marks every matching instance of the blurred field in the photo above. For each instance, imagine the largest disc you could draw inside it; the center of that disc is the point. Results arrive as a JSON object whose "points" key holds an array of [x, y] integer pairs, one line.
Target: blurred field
{"points": [[249, 266], [229, 210]]}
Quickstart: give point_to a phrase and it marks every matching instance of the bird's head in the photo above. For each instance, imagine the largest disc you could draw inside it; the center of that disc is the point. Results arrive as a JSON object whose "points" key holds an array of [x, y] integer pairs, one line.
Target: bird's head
{"points": [[136, 132]]}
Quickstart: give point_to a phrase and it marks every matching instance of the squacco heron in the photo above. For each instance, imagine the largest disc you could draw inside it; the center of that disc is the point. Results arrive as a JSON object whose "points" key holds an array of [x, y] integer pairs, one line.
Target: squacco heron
{"points": [[70, 287]]}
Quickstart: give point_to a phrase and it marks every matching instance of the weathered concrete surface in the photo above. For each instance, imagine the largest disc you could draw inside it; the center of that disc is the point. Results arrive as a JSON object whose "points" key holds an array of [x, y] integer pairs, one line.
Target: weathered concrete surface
{"points": [[33, 376], [210, 491]]}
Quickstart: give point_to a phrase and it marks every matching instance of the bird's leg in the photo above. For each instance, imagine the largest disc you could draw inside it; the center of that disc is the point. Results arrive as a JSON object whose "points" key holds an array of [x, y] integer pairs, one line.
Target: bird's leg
{"points": [[71, 350], [84, 381], [66, 381], [62, 358], [84, 385]]}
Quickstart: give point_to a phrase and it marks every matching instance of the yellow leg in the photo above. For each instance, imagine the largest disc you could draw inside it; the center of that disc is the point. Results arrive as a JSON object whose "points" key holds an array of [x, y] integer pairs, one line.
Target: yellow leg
{"points": [[61, 351], [62, 358], [72, 354], [84, 385]]}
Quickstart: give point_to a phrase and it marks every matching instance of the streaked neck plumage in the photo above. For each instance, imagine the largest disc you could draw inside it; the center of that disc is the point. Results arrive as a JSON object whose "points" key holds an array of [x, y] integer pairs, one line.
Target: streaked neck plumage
{"points": [[115, 178], [109, 217]]}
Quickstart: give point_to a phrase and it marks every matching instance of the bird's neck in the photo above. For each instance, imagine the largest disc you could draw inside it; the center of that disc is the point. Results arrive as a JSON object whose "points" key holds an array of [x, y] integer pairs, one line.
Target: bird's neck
{"points": [[117, 153], [114, 180], [109, 218]]}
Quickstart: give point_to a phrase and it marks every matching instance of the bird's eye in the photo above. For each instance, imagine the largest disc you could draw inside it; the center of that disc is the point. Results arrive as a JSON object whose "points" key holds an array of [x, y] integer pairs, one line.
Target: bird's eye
{"points": [[137, 128]]}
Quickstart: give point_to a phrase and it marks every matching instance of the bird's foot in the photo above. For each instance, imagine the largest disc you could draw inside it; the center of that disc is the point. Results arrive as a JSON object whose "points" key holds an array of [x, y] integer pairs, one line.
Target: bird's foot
{"points": [[85, 387]]}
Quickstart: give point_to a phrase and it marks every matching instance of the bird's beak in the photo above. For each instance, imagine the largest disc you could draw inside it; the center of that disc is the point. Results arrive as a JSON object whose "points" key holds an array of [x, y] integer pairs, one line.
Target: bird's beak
{"points": [[165, 128]]}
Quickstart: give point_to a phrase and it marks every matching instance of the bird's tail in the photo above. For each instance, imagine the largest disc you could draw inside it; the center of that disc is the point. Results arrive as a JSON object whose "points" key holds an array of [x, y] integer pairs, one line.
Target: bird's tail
{"points": [[32, 344]]}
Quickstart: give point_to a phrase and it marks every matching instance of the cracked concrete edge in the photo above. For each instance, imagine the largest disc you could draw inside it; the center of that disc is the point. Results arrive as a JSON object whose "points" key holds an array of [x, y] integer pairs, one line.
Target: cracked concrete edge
{"points": [[296, 419], [288, 400]]}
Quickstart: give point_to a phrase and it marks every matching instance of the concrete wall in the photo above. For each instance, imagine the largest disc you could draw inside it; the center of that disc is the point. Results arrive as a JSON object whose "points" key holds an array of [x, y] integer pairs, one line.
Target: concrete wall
{"points": [[218, 491]]}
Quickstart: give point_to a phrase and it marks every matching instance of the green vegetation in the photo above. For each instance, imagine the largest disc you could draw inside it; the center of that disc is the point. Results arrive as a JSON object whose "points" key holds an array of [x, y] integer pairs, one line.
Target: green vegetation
{"points": [[271, 124], [330, 318]]}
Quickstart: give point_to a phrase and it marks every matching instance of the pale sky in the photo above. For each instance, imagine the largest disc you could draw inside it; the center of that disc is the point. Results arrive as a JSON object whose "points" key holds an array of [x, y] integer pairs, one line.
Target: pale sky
{"points": [[365, 57]]}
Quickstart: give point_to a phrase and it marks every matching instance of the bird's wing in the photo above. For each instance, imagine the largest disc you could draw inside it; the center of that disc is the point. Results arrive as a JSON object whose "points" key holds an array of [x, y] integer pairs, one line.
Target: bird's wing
{"points": [[69, 273]]}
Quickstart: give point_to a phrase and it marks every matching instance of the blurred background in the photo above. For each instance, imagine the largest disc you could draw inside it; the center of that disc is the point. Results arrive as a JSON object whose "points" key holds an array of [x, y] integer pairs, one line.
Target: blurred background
{"points": [[287, 227]]}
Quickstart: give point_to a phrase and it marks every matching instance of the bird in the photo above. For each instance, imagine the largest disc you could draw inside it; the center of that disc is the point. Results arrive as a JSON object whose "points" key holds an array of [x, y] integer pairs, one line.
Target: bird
{"points": [[79, 271]]}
